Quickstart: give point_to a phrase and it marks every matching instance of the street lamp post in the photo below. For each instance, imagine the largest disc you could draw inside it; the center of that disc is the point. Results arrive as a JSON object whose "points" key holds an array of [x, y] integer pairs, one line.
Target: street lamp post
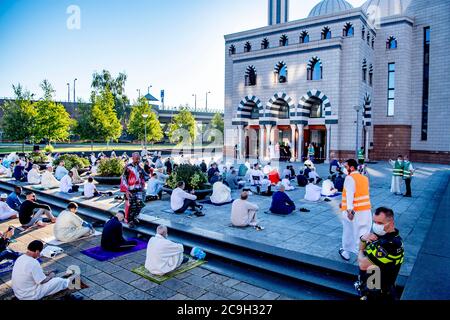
{"points": [[195, 103], [139, 92], [74, 92], [145, 116], [148, 89], [209, 92], [358, 110], [68, 92]]}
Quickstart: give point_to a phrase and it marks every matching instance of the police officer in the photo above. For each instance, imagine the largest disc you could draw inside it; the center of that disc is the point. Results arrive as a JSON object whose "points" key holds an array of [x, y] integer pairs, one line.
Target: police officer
{"points": [[380, 259]]}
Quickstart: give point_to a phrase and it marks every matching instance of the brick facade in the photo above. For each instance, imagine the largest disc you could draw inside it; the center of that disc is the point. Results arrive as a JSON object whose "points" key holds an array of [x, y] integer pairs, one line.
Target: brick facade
{"points": [[390, 141]]}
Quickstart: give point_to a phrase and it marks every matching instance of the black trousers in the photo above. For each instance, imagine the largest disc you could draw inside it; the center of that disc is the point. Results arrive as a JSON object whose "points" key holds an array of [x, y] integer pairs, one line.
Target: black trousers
{"points": [[188, 203], [124, 246], [408, 187]]}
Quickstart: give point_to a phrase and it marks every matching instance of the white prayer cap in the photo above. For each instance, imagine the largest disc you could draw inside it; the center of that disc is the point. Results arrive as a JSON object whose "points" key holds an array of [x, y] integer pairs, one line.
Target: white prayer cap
{"points": [[4, 196]]}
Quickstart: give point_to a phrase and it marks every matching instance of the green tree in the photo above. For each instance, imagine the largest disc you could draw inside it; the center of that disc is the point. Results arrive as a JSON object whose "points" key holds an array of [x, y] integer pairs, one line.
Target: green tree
{"points": [[105, 123], [86, 128], [105, 81], [19, 117], [53, 122], [217, 122], [182, 127], [138, 124]]}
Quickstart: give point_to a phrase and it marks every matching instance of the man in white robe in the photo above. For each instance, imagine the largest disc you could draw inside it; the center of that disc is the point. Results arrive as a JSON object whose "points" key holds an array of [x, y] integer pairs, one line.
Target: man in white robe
{"points": [[5, 210], [328, 189], [70, 227], [33, 176], [61, 171], [163, 255], [397, 175], [287, 184], [48, 180], [313, 192], [221, 193], [76, 179], [243, 213]]}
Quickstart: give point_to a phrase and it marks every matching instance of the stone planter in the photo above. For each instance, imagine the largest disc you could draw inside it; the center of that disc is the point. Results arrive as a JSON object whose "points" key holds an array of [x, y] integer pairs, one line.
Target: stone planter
{"points": [[200, 194], [109, 181]]}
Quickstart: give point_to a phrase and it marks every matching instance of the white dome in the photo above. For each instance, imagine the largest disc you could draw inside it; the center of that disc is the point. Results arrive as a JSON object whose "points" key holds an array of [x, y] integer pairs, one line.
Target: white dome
{"points": [[329, 7], [385, 8]]}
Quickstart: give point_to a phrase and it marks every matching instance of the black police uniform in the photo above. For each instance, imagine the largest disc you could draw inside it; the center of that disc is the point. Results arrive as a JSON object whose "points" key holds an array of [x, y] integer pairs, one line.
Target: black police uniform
{"points": [[388, 254]]}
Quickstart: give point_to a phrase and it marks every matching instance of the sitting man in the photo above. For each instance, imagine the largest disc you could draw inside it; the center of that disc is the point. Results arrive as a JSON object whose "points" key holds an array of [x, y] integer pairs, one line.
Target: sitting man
{"points": [[29, 282], [5, 252], [286, 182], [61, 171], [154, 188], [313, 192], [180, 201], [76, 179], [221, 193], [19, 172], [13, 199], [216, 177], [256, 176], [281, 203], [266, 188], [48, 180], [5, 211], [233, 181], [163, 255], [31, 212], [33, 176], [328, 189], [302, 180], [112, 236], [69, 227], [313, 175], [67, 184], [339, 182], [243, 213]]}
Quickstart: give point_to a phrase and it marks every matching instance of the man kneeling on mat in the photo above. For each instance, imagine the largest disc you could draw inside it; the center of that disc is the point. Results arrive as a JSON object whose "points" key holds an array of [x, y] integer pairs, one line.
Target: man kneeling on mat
{"points": [[163, 255], [69, 227], [112, 236]]}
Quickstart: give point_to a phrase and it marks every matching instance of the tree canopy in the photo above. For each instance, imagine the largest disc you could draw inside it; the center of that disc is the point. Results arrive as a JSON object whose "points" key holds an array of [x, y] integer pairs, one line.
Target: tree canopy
{"points": [[138, 124], [104, 121], [183, 127], [217, 122]]}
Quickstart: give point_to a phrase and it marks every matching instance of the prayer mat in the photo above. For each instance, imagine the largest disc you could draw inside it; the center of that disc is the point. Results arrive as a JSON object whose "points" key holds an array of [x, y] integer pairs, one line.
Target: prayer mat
{"points": [[278, 215], [191, 264], [53, 242], [333, 196], [40, 188], [6, 267], [215, 204], [102, 255], [186, 213]]}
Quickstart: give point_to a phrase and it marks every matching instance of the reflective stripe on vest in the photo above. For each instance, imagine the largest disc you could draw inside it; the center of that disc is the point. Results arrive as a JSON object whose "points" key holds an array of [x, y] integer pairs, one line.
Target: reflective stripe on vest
{"points": [[361, 155], [361, 201], [406, 172], [398, 169]]}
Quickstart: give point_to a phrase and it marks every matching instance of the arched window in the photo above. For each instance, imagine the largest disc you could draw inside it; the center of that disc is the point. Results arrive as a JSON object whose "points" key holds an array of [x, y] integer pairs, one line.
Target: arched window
{"points": [[363, 33], [281, 73], [326, 33], [314, 69], [265, 44], [284, 41], [316, 107], [282, 108], [254, 115], [232, 49], [248, 47], [364, 70], [250, 76], [371, 75], [304, 37], [349, 30], [391, 43]]}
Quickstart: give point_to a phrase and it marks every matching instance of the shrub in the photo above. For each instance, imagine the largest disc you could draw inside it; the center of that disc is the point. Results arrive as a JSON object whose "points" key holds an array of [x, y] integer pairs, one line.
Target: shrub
{"points": [[72, 160], [193, 176], [39, 157], [112, 167], [49, 148]]}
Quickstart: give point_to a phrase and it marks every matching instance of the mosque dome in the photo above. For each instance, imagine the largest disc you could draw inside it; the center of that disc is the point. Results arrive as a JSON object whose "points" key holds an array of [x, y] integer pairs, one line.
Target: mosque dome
{"points": [[329, 7], [385, 8]]}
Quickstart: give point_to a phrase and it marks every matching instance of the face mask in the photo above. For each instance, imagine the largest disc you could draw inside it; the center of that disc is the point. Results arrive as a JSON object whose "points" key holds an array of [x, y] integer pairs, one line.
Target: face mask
{"points": [[378, 229]]}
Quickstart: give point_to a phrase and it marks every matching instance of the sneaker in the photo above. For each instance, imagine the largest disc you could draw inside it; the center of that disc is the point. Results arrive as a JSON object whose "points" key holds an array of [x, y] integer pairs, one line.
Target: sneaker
{"points": [[199, 214], [259, 228], [344, 255]]}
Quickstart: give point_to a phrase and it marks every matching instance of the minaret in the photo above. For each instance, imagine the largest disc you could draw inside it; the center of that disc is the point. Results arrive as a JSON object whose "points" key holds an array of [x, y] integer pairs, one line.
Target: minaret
{"points": [[278, 11]]}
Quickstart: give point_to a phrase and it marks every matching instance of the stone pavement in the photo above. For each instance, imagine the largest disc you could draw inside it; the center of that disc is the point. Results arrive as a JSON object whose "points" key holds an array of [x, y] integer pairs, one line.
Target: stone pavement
{"points": [[318, 232], [114, 280]]}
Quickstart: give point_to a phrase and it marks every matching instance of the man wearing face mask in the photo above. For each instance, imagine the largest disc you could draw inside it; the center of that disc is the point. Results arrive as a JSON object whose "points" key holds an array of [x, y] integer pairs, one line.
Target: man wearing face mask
{"points": [[397, 175], [383, 252], [356, 210]]}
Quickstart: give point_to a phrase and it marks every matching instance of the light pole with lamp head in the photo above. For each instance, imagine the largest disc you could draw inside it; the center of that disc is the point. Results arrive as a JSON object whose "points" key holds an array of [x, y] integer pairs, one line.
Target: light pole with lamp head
{"points": [[149, 89], [74, 92], [145, 116], [358, 110], [139, 93], [208, 92], [195, 102], [68, 92]]}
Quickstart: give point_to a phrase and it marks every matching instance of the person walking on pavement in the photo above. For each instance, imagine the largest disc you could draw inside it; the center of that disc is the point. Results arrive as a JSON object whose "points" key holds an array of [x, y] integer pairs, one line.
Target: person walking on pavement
{"points": [[356, 210]]}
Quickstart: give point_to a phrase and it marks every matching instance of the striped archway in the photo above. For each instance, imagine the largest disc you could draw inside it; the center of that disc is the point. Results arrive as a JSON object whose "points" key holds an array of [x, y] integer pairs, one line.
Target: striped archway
{"points": [[272, 114], [245, 108], [367, 110], [304, 110]]}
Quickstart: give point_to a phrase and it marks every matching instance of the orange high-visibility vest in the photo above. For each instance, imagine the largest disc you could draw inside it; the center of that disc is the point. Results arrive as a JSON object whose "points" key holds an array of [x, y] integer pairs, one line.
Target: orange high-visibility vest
{"points": [[361, 201]]}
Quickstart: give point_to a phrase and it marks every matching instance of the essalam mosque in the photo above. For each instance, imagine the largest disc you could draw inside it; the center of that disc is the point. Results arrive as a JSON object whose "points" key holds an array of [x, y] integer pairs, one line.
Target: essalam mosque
{"points": [[375, 77]]}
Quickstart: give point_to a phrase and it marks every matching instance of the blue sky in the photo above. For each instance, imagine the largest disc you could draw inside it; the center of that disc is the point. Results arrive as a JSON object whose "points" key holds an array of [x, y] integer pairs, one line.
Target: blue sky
{"points": [[176, 45]]}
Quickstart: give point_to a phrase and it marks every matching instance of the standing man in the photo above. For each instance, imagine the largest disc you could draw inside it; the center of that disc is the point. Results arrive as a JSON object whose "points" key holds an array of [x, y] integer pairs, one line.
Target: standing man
{"points": [[361, 156], [133, 184], [408, 173], [311, 152], [356, 210], [397, 174]]}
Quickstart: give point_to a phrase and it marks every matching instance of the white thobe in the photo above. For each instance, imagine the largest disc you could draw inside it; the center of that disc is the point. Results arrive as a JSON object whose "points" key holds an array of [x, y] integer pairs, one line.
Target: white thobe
{"points": [[76, 179], [66, 184], [163, 255], [328, 188], [243, 213], [267, 169], [6, 212], [221, 193], [361, 224], [69, 227], [287, 184], [396, 182], [48, 181], [34, 177], [60, 172], [312, 192]]}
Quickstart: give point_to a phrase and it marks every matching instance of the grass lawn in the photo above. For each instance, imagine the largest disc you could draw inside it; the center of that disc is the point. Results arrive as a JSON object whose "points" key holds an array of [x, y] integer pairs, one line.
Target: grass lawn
{"points": [[8, 148]]}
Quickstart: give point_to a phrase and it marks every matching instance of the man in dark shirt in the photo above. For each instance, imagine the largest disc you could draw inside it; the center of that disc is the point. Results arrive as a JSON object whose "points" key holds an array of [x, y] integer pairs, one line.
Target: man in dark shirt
{"points": [[31, 212], [13, 199], [203, 166], [5, 252], [169, 166], [19, 172], [212, 171], [380, 259], [112, 236], [281, 203]]}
